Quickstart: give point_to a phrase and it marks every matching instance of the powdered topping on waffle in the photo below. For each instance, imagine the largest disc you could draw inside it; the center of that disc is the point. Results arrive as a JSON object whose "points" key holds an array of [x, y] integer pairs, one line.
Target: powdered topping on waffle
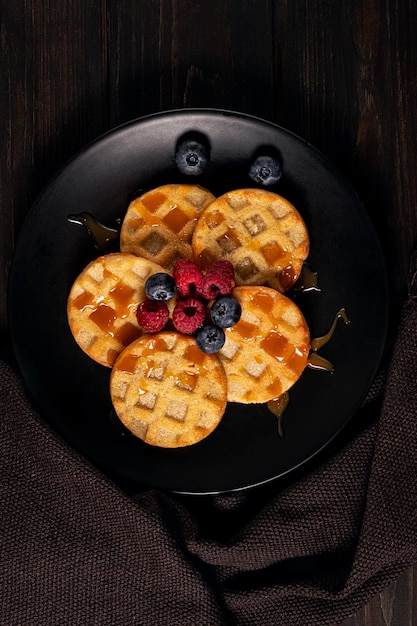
{"points": [[266, 352], [166, 391], [159, 224], [102, 304], [259, 231]]}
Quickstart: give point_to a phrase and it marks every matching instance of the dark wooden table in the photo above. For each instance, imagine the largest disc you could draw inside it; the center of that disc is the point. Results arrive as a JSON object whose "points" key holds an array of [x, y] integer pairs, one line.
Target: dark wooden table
{"points": [[342, 75]]}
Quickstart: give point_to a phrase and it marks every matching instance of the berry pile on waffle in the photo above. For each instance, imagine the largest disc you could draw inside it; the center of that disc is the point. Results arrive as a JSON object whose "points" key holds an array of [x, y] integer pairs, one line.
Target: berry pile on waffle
{"points": [[192, 312]]}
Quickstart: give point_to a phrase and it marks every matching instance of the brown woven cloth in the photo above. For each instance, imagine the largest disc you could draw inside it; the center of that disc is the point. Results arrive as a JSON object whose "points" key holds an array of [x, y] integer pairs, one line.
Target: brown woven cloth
{"points": [[77, 550]]}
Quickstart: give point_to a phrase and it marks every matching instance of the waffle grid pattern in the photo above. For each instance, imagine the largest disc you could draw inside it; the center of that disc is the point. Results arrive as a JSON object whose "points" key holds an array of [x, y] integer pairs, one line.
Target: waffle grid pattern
{"points": [[102, 304], [261, 233], [264, 354], [167, 392], [159, 224]]}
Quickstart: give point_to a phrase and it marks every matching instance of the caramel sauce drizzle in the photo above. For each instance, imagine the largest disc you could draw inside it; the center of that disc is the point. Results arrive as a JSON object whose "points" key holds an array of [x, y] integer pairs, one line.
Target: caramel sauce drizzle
{"points": [[278, 405], [151, 368], [317, 362], [176, 219], [307, 280], [101, 235], [153, 200]]}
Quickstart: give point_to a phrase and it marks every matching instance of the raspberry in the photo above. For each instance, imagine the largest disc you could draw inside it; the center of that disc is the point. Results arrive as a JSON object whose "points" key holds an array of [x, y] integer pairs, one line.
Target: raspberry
{"points": [[152, 315], [188, 315], [218, 280], [188, 278]]}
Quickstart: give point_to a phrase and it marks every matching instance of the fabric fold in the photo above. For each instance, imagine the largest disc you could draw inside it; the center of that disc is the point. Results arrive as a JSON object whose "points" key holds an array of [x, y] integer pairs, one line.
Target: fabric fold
{"points": [[76, 549]]}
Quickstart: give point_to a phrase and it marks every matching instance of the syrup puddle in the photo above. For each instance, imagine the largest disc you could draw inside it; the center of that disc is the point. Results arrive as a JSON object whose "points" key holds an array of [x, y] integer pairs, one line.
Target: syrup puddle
{"points": [[278, 405], [101, 235], [307, 281]]}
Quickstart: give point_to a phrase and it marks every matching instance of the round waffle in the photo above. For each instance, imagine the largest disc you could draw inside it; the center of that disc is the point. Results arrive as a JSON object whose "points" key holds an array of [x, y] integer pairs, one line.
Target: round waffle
{"points": [[260, 232], [102, 304], [166, 391], [267, 350], [159, 224]]}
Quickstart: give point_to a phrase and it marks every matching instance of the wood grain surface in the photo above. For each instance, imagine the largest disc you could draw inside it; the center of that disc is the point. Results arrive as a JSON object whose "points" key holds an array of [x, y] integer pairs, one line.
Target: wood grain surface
{"points": [[342, 75]]}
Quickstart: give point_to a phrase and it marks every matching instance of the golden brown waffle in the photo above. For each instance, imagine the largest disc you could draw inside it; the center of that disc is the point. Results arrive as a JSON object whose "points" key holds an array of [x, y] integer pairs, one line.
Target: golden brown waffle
{"points": [[260, 232], [159, 224], [267, 350], [166, 391], [102, 304]]}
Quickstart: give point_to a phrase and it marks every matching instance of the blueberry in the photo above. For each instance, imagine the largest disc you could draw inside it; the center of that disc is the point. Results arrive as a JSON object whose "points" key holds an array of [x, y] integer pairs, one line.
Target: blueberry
{"points": [[160, 286], [210, 338], [265, 170], [191, 157], [225, 311]]}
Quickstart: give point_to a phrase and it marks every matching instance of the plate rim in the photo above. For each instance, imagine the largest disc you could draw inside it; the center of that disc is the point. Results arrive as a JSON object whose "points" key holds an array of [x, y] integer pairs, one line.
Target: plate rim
{"points": [[246, 117]]}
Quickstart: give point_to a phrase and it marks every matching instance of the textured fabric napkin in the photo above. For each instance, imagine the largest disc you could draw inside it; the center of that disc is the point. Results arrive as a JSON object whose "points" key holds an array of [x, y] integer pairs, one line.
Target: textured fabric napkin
{"points": [[75, 549]]}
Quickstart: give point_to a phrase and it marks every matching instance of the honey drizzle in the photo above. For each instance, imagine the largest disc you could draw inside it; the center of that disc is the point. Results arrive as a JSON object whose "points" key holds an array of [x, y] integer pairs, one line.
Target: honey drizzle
{"points": [[153, 200], [277, 406], [287, 277], [102, 235], [307, 280], [122, 296], [317, 362], [176, 219], [319, 342]]}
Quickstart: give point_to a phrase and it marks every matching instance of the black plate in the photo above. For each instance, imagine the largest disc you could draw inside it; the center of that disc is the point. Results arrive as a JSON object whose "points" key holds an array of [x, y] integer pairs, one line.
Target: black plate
{"points": [[71, 391]]}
